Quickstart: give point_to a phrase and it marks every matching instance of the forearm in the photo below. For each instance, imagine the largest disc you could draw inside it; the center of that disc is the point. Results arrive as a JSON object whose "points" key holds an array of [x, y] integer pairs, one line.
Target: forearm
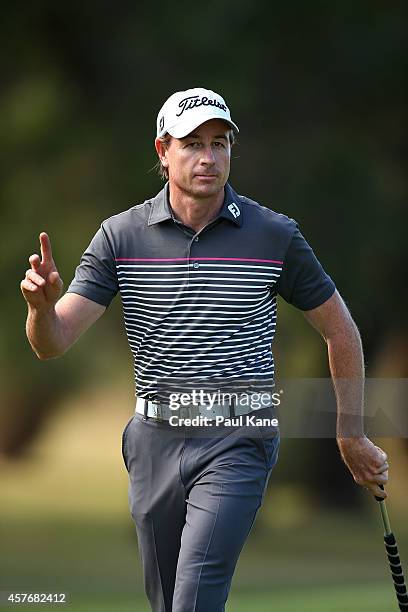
{"points": [[366, 462], [346, 363], [46, 332]]}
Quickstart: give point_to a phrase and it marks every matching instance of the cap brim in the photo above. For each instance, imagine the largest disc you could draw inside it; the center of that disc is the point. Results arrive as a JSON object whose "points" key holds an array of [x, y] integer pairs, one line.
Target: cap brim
{"points": [[186, 127]]}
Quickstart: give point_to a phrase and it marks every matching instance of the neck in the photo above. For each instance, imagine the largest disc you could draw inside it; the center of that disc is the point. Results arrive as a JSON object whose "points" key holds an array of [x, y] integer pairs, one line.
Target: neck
{"points": [[192, 211]]}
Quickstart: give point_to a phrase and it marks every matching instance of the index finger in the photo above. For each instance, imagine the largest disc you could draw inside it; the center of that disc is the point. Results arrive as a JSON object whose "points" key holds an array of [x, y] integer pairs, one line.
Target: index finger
{"points": [[383, 453], [46, 251], [382, 469], [378, 491]]}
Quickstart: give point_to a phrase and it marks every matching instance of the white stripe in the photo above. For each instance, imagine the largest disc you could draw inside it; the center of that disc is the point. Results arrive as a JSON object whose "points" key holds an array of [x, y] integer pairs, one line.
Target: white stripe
{"points": [[199, 291], [209, 312], [232, 363], [201, 341], [237, 340], [201, 320], [210, 349], [192, 328], [185, 284], [221, 363], [174, 373], [261, 308], [248, 327], [224, 360], [131, 317], [137, 311], [204, 333], [268, 376], [133, 327], [223, 297], [191, 288], [186, 320], [193, 305]]}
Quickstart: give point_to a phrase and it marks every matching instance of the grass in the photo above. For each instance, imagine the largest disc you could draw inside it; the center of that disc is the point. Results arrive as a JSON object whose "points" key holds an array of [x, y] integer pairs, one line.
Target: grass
{"points": [[332, 565], [370, 597]]}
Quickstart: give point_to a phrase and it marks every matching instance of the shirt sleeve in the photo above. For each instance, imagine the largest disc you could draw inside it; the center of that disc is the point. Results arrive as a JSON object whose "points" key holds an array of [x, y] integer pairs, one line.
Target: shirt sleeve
{"points": [[303, 281], [95, 277]]}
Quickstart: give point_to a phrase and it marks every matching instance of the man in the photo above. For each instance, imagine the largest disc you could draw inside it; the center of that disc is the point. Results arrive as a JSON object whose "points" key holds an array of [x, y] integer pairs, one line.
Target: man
{"points": [[199, 268]]}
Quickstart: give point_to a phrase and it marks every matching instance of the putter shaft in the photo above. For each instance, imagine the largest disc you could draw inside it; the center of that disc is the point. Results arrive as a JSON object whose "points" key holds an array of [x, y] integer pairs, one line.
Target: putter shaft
{"points": [[386, 520]]}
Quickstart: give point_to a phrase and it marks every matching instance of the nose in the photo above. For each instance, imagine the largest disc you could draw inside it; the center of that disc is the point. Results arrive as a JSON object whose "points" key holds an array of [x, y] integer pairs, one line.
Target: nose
{"points": [[207, 156]]}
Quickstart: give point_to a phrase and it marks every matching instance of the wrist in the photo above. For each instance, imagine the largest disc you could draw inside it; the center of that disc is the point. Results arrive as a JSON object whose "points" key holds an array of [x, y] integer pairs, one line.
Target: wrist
{"points": [[350, 425], [41, 310], [350, 440]]}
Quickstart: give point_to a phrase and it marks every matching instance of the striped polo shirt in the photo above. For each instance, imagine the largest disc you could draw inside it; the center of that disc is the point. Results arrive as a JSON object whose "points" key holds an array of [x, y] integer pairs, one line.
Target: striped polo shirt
{"points": [[200, 307]]}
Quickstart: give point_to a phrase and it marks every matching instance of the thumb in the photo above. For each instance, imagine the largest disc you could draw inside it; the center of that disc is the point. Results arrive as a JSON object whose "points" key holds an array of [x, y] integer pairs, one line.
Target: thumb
{"points": [[54, 278], [54, 286]]}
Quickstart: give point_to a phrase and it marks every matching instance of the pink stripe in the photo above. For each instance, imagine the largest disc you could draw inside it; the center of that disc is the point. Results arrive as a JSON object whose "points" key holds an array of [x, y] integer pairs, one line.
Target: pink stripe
{"points": [[197, 258]]}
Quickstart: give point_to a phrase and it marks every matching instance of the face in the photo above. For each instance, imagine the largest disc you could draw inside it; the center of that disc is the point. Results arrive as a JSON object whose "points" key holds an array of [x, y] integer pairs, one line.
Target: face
{"points": [[199, 164]]}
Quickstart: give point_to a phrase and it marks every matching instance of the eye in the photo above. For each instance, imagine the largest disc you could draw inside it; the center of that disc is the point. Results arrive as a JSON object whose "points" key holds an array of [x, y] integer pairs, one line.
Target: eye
{"points": [[218, 144]]}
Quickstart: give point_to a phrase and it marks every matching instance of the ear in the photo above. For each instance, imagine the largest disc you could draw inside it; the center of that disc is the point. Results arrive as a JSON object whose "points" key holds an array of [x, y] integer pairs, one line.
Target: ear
{"points": [[161, 152]]}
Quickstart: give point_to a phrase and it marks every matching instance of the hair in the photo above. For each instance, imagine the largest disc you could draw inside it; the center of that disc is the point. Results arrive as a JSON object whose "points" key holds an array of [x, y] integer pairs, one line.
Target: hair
{"points": [[161, 170]]}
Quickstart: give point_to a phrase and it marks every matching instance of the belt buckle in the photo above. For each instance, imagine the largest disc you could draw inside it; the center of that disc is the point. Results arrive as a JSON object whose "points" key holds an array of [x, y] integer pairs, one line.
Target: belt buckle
{"points": [[184, 412], [158, 412]]}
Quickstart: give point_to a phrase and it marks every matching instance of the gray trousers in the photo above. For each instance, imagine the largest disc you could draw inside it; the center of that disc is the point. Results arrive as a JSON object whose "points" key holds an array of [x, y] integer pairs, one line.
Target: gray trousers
{"points": [[193, 496]]}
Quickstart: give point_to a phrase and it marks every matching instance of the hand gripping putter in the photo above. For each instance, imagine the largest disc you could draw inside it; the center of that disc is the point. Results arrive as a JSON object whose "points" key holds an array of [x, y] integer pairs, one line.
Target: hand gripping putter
{"points": [[393, 558]]}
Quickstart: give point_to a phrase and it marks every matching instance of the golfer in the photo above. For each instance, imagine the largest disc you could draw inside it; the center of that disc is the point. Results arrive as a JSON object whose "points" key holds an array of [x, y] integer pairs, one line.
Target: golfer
{"points": [[199, 268]]}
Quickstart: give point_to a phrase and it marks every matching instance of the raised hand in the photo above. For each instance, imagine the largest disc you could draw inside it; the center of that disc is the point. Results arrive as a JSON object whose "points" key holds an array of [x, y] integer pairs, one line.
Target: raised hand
{"points": [[42, 285]]}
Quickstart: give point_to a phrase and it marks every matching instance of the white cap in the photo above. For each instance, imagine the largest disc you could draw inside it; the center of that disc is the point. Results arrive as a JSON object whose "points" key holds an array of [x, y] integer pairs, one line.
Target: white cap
{"points": [[186, 110]]}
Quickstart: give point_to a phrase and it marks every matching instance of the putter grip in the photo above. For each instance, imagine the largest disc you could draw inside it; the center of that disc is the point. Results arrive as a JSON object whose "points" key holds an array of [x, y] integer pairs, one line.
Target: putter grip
{"points": [[379, 498], [396, 571]]}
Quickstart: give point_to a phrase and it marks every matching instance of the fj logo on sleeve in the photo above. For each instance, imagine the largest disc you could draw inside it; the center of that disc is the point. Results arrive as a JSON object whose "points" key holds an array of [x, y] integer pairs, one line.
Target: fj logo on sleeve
{"points": [[234, 210]]}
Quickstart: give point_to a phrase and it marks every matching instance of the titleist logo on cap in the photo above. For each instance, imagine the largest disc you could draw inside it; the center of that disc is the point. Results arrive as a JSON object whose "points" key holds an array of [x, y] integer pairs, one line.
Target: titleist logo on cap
{"points": [[196, 101], [185, 110]]}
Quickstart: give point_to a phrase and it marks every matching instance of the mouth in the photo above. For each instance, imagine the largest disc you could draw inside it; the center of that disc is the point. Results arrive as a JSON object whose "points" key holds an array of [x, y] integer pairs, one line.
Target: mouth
{"points": [[205, 176]]}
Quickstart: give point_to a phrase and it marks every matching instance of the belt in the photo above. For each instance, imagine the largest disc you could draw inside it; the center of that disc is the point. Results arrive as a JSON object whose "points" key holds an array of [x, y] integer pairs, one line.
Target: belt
{"points": [[163, 412]]}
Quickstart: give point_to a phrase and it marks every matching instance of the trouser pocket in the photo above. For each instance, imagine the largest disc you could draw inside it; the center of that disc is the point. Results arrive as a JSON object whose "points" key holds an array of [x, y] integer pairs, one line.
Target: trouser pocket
{"points": [[270, 447], [124, 447]]}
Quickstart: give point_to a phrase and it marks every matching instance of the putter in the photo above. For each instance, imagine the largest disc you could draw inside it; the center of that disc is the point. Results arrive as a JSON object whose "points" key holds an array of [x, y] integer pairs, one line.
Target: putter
{"points": [[393, 557]]}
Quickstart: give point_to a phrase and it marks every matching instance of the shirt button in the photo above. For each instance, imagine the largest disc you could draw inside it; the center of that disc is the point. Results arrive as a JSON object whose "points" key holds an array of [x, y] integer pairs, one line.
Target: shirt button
{"points": [[196, 265], [196, 239]]}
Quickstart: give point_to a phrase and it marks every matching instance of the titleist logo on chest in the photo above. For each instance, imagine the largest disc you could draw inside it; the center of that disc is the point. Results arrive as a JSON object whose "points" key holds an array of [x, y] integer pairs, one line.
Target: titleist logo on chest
{"points": [[196, 101]]}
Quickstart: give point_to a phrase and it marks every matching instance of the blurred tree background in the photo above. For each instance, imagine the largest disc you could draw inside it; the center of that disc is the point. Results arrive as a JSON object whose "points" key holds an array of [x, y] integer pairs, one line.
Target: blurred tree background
{"points": [[319, 92]]}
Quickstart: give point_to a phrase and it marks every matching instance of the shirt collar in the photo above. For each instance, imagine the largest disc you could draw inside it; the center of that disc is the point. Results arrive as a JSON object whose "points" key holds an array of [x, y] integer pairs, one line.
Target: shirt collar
{"points": [[160, 209], [231, 208]]}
